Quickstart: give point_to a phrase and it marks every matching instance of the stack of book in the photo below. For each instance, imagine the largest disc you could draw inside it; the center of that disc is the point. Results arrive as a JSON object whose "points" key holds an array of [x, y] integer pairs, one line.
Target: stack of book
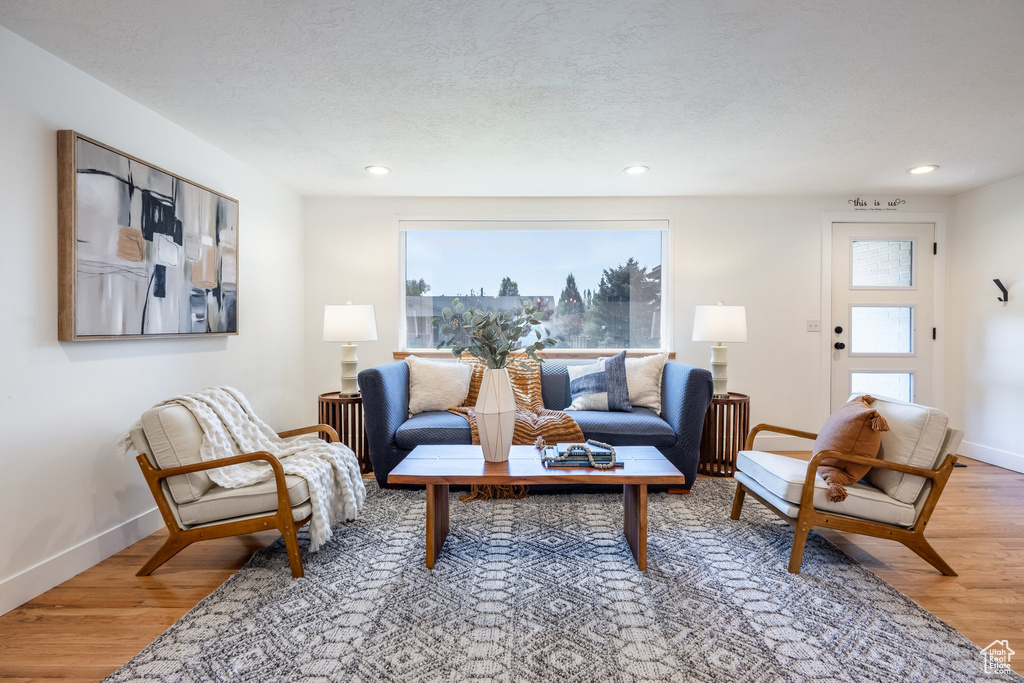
{"points": [[578, 458]]}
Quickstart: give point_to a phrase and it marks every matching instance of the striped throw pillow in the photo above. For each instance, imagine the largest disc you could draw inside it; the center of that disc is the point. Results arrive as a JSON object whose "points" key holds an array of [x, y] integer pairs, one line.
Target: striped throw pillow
{"points": [[600, 386]]}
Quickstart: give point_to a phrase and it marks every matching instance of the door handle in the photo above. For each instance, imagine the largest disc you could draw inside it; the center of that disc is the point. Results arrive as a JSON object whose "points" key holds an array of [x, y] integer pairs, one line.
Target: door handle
{"points": [[839, 329], [840, 346]]}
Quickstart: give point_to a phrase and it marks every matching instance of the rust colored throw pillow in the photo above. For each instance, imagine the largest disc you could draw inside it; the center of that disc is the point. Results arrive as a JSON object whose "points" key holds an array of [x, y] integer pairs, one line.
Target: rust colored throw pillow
{"points": [[854, 429]]}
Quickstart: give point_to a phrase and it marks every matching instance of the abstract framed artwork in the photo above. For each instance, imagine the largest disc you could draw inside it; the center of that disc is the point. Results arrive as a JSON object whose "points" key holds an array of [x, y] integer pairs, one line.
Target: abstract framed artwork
{"points": [[142, 252]]}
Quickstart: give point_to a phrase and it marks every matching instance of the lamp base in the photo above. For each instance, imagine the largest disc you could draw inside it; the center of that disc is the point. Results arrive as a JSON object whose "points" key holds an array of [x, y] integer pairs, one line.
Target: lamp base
{"points": [[719, 365], [349, 370]]}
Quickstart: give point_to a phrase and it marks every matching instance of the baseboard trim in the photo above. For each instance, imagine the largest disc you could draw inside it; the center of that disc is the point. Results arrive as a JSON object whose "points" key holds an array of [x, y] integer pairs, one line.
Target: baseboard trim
{"points": [[993, 456], [22, 587]]}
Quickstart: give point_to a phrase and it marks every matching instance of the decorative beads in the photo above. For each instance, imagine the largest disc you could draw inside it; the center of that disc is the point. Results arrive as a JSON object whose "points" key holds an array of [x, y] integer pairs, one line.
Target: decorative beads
{"points": [[584, 448]]}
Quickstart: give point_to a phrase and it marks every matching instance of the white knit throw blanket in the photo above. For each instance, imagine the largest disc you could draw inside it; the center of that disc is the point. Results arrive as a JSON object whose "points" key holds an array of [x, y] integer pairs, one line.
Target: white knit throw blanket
{"points": [[230, 427]]}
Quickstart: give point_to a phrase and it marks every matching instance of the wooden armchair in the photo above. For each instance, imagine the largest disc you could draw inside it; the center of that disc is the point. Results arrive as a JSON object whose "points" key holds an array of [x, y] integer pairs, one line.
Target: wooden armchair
{"points": [[895, 500], [196, 509]]}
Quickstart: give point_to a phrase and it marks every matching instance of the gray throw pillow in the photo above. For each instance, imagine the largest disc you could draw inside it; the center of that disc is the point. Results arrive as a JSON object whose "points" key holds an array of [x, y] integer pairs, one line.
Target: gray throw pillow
{"points": [[600, 385]]}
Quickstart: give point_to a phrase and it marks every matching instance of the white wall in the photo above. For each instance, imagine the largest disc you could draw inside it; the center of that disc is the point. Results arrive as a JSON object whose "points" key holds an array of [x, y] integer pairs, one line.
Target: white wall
{"points": [[67, 500], [764, 253], [986, 356]]}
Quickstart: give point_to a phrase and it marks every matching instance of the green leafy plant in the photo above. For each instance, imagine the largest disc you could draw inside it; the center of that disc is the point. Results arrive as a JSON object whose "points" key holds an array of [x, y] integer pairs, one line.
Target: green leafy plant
{"points": [[491, 336]]}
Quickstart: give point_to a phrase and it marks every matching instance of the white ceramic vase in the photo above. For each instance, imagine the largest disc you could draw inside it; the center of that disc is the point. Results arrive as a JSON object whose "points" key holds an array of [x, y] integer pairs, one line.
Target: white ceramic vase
{"points": [[496, 414]]}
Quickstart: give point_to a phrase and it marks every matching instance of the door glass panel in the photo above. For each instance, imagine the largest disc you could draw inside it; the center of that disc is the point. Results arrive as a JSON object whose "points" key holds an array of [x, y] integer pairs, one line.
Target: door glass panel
{"points": [[881, 329], [881, 263], [898, 385]]}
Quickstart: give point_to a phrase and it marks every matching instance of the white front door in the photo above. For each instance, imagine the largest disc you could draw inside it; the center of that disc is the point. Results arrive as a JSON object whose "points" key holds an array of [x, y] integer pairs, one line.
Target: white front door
{"points": [[883, 278]]}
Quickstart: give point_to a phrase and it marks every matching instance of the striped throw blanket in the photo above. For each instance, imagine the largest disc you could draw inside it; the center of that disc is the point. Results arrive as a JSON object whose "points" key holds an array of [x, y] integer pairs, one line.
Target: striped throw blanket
{"points": [[532, 419]]}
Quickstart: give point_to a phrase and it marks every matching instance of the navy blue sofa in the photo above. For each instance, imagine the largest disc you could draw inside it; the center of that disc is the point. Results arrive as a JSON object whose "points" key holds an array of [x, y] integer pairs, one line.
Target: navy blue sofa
{"points": [[685, 397]]}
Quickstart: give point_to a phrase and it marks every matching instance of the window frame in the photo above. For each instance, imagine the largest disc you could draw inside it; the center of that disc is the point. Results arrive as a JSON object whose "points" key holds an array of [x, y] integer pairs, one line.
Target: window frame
{"points": [[645, 223]]}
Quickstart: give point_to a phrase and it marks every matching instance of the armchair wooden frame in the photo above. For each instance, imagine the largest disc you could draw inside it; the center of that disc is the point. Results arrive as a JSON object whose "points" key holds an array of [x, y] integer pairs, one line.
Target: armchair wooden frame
{"points": [[809, 518], [282, 520]]}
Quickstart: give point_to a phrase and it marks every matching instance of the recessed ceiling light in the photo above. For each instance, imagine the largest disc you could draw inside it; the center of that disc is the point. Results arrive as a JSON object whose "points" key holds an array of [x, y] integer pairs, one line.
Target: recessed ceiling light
{"points": [[378, 170], [918, 170], [636, 170]]}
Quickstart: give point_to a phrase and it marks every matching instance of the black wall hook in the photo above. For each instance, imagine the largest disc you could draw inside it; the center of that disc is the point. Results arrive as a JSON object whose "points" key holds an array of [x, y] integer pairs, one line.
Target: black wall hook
{"points": [[1006, 295]]}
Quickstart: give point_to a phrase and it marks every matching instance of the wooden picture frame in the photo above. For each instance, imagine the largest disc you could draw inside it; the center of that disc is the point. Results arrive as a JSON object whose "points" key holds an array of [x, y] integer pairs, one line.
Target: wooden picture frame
{"points": [[142, 252]]}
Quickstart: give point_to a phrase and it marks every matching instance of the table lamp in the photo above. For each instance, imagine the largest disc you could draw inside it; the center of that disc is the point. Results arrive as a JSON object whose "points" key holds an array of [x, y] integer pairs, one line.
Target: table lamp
{"points": [[349, 323], [720, 324]]}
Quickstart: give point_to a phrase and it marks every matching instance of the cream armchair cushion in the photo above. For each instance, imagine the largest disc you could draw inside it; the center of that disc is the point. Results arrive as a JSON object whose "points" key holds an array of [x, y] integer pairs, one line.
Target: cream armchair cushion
{"points": [[915, 437], [175, 437], [219, 503], [887, 503], [168, 437], [782, 478]]}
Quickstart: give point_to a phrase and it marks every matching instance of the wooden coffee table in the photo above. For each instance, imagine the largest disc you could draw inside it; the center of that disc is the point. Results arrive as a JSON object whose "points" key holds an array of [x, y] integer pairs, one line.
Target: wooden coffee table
{"points": [[440, 466]]}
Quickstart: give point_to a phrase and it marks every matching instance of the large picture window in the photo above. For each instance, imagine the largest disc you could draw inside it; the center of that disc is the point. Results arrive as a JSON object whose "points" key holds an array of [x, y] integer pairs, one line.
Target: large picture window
{"points": [[599, 284]]}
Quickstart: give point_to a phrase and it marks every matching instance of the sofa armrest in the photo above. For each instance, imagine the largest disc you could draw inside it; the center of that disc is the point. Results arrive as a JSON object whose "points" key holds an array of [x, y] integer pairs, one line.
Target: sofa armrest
{"points": [[685, 396], [385, 391]]}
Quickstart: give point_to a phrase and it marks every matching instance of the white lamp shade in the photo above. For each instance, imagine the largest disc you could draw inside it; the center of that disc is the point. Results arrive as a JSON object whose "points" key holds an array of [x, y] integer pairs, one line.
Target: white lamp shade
{"points": [[720, 324], [350, 323]]}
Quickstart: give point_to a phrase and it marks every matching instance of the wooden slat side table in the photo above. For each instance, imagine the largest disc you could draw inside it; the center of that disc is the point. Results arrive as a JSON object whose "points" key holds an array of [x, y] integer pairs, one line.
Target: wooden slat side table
{"points": [[725, 428], [345, 414]]}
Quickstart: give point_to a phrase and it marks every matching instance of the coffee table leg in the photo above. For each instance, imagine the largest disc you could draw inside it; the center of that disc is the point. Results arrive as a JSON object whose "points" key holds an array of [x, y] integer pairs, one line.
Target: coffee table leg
{"points": [[437, 520], [634, 502]]}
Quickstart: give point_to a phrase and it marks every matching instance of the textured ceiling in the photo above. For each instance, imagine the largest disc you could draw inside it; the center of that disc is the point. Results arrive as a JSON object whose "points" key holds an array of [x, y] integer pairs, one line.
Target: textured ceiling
{"points": [[556, 97]]}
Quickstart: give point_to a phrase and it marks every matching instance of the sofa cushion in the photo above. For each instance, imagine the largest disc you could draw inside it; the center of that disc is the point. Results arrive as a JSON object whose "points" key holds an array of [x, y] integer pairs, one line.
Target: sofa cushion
{"points": [[175, 438], [643, 377], [433, 428], [783, 478], [220, 503], [600, 385], [915, 437], [642, 427], [437, 384]]}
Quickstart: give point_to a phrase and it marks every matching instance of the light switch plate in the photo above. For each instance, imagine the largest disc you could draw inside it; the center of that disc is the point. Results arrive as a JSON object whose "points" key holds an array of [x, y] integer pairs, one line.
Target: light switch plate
{"points": [[814, 326]]}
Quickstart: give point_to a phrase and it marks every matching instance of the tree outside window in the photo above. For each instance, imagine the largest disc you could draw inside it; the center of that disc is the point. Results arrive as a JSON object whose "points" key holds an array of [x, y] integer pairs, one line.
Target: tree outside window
{"points": [[596, 289]]}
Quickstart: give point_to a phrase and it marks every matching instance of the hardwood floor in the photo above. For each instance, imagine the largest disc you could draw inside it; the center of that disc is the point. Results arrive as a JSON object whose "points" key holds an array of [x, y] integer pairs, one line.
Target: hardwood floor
{"points": [[88, 626], [978, 528]]}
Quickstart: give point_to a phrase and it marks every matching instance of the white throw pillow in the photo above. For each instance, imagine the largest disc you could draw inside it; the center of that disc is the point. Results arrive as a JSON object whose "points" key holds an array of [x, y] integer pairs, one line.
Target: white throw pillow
{"points": [[643, 377], [915, 437], [437, 384]]}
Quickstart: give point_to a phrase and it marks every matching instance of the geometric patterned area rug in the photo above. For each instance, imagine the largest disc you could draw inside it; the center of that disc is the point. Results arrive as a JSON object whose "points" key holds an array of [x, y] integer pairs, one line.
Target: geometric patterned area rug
{"points": [[545, 589]]}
